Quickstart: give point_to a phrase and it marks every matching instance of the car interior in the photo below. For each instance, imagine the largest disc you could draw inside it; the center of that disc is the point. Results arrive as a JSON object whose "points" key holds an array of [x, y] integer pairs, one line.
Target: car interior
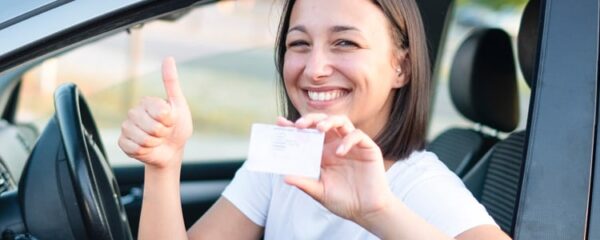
{"points": [[495, 180], [483, 87], [487, 156], [496, 177]]}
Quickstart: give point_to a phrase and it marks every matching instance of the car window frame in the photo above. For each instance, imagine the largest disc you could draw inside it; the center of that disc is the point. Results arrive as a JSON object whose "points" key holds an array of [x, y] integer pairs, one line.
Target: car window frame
{"points": [[594, 210], [92, 29]]}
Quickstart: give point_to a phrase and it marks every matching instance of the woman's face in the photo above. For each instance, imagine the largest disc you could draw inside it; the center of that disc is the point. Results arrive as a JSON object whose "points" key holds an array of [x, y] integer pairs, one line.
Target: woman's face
{"points": [[340, 60]]}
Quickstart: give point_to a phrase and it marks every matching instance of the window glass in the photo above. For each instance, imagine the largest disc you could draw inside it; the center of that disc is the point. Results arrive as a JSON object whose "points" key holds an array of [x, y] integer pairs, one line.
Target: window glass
{"points": [[225, 59], [224, 53]]}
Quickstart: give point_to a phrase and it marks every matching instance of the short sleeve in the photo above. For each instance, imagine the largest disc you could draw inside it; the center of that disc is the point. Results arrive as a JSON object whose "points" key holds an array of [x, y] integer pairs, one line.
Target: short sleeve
{"points": [[444, 201], [251, 193]]}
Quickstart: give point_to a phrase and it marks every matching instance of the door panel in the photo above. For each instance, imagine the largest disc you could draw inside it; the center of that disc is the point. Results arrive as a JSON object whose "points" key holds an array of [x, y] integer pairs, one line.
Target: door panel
{"points": [[557, 172]]}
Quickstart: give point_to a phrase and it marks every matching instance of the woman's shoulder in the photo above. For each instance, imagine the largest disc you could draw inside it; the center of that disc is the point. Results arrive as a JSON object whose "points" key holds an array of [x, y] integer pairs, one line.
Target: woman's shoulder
{"points": [[436, 194], [420, 162], [419, 167]]}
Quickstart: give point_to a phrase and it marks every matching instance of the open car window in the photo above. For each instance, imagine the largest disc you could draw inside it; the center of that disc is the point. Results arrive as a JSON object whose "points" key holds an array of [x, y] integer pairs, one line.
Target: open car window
{"points": [[467, 17], [225, 59], [224, 53]]}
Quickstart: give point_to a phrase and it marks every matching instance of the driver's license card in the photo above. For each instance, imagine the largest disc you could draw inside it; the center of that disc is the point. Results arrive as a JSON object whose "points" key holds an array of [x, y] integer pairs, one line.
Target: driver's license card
{"points": [[285, 150]]}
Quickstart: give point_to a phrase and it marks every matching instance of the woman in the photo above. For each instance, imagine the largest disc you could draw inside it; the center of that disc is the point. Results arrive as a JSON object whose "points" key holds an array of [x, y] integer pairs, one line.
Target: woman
{"points": [[356, 70]]}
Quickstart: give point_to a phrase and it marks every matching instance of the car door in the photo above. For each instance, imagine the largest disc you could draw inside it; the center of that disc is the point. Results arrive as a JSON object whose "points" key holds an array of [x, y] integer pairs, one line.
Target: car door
{"points": [[555, 199]]}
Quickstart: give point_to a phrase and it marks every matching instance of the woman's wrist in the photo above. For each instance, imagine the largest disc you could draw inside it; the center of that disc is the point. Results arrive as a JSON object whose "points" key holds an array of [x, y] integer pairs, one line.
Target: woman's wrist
{"points": [[377, 221], [173, 163], [396, 221], [159, 180]]}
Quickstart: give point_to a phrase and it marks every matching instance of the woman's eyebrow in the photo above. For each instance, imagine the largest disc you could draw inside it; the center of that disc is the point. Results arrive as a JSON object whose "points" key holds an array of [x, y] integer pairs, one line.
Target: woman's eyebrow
{"points": [[297, 28], [336, 29]]}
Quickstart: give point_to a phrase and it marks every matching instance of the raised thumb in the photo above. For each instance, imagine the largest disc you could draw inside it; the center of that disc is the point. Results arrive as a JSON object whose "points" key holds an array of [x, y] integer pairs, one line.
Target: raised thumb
{"points": [[171, 82]]}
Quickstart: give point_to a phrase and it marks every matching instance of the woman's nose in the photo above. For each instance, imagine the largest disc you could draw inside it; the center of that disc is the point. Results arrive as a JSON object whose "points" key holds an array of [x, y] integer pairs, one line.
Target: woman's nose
{"points": [[318, 65]]}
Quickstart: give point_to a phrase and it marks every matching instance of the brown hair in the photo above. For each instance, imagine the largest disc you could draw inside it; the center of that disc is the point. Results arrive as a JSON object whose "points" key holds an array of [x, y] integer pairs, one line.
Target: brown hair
{"points": [[405, 129]]}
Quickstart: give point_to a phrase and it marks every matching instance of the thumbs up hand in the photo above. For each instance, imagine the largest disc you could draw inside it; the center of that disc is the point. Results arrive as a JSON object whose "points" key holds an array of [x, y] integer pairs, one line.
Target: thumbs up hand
{"points": [[156, 129]]}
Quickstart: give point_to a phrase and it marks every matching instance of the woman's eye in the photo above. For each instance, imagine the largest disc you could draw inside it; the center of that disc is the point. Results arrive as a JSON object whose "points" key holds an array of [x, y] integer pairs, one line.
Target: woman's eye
{"points": [[298, 43], [346, 43]]}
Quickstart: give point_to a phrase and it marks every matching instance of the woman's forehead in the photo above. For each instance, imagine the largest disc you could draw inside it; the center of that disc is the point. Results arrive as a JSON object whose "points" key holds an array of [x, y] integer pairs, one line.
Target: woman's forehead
{"points": [[360, 14]]}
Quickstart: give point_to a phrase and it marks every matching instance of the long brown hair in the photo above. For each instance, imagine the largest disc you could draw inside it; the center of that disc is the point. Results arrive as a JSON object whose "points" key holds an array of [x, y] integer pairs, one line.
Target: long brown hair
{"points": [[405, 129]]}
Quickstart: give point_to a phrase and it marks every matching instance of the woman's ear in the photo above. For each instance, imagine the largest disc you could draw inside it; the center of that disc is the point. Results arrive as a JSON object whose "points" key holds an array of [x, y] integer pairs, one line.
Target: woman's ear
{"points": [[402, 71], [400, 79]]}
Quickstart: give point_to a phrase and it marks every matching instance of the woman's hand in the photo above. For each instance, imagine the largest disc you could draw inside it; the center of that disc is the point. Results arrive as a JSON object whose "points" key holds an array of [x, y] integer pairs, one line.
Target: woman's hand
{"points": [[156, 129], [352, 183]]}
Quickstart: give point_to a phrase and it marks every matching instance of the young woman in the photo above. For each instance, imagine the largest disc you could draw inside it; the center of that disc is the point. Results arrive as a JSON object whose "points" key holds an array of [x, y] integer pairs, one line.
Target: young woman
{"points": [[358, 71]]}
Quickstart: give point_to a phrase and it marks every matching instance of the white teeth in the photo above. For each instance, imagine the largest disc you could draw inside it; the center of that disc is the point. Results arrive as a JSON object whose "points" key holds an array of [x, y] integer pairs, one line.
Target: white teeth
{"points": [[326, 96]]}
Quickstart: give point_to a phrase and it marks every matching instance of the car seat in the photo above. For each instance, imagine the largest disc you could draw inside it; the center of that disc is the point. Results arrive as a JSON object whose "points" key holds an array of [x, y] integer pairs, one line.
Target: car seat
{"points": [[483, 88], [495, 180]]}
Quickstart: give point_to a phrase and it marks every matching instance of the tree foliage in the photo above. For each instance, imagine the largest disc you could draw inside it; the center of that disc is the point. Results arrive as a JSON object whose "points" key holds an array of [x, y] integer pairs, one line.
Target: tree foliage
{"points": [[496, 4]]}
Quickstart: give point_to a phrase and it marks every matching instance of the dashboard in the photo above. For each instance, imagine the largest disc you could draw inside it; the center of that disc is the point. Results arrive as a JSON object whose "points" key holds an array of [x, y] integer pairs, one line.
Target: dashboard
{"points": [[16, 143]]}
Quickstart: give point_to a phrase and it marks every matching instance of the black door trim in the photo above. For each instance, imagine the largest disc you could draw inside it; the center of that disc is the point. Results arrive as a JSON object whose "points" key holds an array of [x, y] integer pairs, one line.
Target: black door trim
{"points": [[557, 171]]}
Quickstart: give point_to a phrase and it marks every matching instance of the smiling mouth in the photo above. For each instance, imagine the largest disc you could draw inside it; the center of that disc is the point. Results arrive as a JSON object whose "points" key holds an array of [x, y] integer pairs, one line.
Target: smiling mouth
{"points": [[324, 96]]}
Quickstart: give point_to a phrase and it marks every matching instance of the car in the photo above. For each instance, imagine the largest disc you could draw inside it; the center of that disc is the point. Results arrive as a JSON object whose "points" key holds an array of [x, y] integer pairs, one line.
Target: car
{"points": [[69, 70]]}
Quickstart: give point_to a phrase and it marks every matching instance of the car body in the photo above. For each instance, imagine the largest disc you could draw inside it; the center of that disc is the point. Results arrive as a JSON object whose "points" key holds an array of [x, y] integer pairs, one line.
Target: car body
{"points": [[559, 186]]}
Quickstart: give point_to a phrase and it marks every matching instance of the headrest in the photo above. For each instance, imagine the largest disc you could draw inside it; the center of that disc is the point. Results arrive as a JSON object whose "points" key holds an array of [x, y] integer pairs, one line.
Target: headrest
{"points": [[528, 39], [483, 82]]}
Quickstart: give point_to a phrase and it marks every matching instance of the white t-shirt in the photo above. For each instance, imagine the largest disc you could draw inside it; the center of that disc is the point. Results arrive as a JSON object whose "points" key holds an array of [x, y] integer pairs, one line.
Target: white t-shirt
{"points": [[421, 181]]}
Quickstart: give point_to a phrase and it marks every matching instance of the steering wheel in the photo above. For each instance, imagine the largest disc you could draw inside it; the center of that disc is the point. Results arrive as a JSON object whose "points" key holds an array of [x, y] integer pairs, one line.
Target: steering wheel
{"points": [[68, 190]]}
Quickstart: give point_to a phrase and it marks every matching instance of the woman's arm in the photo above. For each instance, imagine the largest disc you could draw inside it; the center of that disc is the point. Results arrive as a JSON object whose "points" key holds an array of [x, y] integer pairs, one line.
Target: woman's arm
{"points": [[155, 134], [161, 216], [353, 185], [396, 221], [224, 221]]}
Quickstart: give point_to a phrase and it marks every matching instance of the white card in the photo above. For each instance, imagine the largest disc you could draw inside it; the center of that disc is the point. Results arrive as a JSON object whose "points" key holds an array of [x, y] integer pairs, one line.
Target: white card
{"points": [[285, 150]]}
